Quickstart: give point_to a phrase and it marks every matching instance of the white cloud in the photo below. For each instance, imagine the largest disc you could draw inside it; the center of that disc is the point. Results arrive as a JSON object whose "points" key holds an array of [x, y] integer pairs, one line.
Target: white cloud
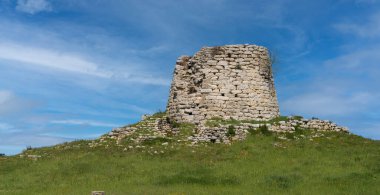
{"points": [[24, 139], [74, 137], [10, 149], [10, 103], [327, 104], [5, 127], [33, 6], [84, 122], [366, 1], [344, 86], [372, 131], [71, 63], [364, 59], [365, 29], [50, 59], [5, 96]]}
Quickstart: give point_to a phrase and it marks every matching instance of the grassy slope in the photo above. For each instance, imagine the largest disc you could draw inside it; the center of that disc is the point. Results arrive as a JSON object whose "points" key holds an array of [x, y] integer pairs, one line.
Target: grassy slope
{"points": [[333, 164]]}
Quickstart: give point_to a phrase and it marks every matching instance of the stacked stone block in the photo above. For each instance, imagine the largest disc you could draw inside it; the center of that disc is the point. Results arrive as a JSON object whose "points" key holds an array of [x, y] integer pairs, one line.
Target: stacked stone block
{"points": [[232, 81]]}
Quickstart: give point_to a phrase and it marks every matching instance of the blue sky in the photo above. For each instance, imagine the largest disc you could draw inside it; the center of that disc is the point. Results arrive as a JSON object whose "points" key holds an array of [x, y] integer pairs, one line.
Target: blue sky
{"points": [[75, 69]]}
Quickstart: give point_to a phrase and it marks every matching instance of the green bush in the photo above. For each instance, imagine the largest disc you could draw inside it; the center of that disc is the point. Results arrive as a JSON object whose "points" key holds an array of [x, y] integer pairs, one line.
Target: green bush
{"points": [[297, 117], [159, 113], [231, 131], [253, 131], [289, 135], [264, 130], [278, 119], [186, 129], [174, 124], [214, 122]]}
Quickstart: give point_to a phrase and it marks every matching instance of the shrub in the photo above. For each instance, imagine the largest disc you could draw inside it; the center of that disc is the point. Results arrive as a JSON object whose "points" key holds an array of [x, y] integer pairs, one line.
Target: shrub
{"points": [[231, 121], [278, 119], [299, 130], [231, 131], [253, 131], [29, 148], [264, 130], [297, 117], [2, 154], [159, 113], [174, 124], [289, 135], [214, 122], [186, 129]]}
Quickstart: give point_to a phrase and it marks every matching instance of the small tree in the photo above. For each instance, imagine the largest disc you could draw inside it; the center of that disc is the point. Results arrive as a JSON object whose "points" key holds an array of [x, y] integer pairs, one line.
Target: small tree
{"points": [[273, 60], [2, 154], [264, 130], [231, 131]]}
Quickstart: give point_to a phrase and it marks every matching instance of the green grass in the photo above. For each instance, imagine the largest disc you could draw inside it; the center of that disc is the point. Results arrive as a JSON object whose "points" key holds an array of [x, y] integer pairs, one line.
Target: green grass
{"points": [[216, 121], [332, 163]]}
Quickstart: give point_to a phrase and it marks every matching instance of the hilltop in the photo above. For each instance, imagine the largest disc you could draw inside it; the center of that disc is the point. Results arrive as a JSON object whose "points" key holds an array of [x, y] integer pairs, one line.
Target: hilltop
{"points": [[222, 133], [304, 162]]}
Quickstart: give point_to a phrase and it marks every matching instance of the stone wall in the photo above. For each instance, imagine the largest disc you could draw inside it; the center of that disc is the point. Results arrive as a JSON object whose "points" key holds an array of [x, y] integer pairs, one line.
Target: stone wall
{"points": [[232, 81], [241, 130], [152, 127]]}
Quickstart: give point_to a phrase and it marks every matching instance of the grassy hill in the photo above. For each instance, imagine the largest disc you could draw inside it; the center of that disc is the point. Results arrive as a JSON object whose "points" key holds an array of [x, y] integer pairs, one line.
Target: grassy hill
{"points": [[307, 162]]}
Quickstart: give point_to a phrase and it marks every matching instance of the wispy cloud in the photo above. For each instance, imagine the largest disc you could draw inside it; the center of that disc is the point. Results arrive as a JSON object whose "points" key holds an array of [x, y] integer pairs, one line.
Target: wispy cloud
{"points": [[11, 104], [25, 139], [371, 131], [33, 6], [5, 96], [8, 128], [359, 66], [51, 59], [84, 122], [5, 127], [365, 29], [366, 1], [326, 104], [346, 85], [362, 59], [71, 63]]}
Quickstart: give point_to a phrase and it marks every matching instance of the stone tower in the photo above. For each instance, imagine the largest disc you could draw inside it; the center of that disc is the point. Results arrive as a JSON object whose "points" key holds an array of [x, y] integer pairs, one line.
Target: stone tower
{"points": [[232, 81]]}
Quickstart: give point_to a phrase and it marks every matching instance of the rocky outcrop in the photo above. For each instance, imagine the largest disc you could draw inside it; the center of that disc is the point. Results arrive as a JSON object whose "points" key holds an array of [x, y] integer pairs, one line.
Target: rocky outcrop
{"points": [[220, 131], [153, 126], [221, 134]]}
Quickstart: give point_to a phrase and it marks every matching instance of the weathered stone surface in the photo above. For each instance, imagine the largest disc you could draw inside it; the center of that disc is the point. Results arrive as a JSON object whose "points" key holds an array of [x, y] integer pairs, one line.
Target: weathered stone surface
{"points": [[212, 134], [234, 80], [159, 126]]}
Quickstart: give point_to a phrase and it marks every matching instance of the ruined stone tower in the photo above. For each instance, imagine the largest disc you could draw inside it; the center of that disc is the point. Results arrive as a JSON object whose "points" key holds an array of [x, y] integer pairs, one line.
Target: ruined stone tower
{"points": [[232, 81]]}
